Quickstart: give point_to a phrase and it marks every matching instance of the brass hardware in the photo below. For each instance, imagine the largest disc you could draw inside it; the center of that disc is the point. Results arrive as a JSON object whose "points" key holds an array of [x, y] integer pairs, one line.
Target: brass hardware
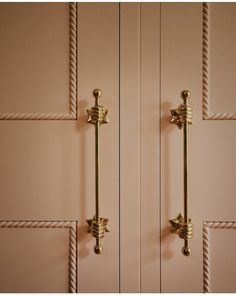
{"points": [[183, 114], [97, 226], [184, 231], [181, 225]]}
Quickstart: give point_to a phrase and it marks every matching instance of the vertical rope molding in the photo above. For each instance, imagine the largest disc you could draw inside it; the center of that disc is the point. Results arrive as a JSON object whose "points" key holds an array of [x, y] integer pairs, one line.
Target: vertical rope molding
{"points": [[72, 111], [205, 64], [71, 225], [206, 259], [73, 60], [73, 258]]}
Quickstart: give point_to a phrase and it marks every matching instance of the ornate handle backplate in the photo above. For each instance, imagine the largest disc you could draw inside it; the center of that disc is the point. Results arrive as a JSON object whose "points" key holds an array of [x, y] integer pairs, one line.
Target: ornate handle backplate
{"points": [[97, 116], [181, 225]]}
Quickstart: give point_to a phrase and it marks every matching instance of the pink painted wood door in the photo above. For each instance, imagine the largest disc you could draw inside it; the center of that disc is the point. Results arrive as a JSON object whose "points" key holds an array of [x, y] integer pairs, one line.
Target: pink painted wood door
{"points": [[142, 55], [52, 57], [198, 48], [166, 48]]}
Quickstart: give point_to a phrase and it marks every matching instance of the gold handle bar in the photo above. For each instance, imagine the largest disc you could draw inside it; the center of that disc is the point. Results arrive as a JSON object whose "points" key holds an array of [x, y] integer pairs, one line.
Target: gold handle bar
{"points": [[181, 225], [97, 116]]}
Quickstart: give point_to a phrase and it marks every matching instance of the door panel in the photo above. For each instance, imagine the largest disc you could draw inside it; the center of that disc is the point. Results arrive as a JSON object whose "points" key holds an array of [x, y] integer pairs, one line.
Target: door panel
{"points": [[47, 166], [220, 48], [211, 148], [38, 43], [39, 260], [219, 258]]}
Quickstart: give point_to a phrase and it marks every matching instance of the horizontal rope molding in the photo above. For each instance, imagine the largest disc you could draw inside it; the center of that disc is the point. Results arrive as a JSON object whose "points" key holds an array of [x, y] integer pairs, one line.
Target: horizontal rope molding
{"points": [[72, 112], [37, 224], [220, 224], [206, 113], [207, 225], [71, 226]]}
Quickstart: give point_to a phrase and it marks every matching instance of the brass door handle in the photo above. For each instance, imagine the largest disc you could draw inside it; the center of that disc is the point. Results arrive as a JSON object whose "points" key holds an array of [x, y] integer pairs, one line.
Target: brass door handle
{"points": [[97, 226], [182, 225]]}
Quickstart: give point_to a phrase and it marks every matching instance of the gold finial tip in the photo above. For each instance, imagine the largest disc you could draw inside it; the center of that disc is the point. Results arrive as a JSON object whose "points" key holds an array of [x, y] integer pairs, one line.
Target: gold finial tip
{"points": [[97, 93], [186, 251], [185, 94], [98, 250]]}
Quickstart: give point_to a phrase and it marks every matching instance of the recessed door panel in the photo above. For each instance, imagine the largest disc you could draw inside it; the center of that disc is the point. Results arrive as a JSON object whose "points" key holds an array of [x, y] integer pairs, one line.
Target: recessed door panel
{"points": [[36, 60]]}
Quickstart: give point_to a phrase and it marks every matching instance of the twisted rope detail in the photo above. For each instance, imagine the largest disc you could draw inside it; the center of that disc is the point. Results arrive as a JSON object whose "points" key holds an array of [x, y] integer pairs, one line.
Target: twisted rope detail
{"points": [[206, 259], [72, 114], [71, 225], [73, 259], [205, 63], [221, 116], [73, 60], [206, 247], [220, 224], [36, 116], [207, 115]]}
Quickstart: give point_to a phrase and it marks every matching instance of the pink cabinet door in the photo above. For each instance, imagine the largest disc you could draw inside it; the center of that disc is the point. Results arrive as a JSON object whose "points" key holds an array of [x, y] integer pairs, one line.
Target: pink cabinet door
{"points": [[198, 48], [52, 57], [142, 55], [166, 48]]}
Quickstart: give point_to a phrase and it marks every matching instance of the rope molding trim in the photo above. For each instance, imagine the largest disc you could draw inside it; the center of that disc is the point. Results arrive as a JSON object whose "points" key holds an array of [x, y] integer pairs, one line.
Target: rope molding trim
{"points": [[71, 225], [72, 112], [207, 225], [206, 113]]}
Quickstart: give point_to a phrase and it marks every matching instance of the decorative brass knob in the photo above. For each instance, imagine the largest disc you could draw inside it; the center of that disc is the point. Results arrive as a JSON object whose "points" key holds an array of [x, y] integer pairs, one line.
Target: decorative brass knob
{"points": [[183, 113], [97, 93], [183, 229], [185, 94]]}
